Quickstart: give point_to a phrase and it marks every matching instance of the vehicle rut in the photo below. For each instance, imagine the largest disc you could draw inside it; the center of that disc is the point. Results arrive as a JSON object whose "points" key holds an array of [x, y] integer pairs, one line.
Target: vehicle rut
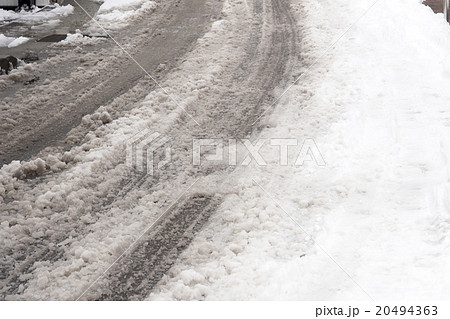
{"points": [[242, 95], [250, 91]]}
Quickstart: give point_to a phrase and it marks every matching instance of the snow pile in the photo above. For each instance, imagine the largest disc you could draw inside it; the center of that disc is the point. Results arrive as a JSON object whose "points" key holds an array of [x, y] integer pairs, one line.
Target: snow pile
{"points": [[74, 39], [5, 41], [78, 39], [18, 41], [7, 15], [377, 106], [109, 5], [62, 11], [11, 42], [115, 14], [35, 15]]}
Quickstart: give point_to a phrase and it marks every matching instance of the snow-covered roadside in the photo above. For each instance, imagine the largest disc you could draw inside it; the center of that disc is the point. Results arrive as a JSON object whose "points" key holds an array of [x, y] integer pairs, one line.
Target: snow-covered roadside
{"points": [[376, 105]]}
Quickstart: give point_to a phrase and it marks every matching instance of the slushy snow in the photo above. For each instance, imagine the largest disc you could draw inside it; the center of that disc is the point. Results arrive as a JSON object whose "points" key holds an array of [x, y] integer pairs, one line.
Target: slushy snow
{"points": [[373, 222]]}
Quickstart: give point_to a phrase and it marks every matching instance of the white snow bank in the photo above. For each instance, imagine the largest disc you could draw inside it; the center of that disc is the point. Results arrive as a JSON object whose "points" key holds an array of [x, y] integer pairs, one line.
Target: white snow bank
{"points": [[115, 14], [109, 5], [7, 14], [18, 41], [62, 10], [32, 16], [5, 41], [11, 42], [75, 39]]}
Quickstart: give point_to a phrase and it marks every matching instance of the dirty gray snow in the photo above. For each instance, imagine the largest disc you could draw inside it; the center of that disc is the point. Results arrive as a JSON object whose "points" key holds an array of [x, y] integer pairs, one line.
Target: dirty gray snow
{"points": [[72, 206]]}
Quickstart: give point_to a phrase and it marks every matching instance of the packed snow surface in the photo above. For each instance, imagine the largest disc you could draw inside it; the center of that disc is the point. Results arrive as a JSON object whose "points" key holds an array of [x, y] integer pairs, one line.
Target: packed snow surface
{"points": [[374, 223]]}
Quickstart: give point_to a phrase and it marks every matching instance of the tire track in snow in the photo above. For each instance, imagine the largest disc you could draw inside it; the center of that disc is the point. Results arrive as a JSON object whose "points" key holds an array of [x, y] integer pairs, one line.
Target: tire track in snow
{"points": [[44, 115], [18, 262], [241, 95], [250, 89], [142, 268]]}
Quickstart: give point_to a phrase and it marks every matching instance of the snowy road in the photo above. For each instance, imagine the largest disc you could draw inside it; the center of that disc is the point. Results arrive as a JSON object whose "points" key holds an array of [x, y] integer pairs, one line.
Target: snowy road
{"points": [[71, 95], [363, 215], [76, 206], [374, 223]]}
